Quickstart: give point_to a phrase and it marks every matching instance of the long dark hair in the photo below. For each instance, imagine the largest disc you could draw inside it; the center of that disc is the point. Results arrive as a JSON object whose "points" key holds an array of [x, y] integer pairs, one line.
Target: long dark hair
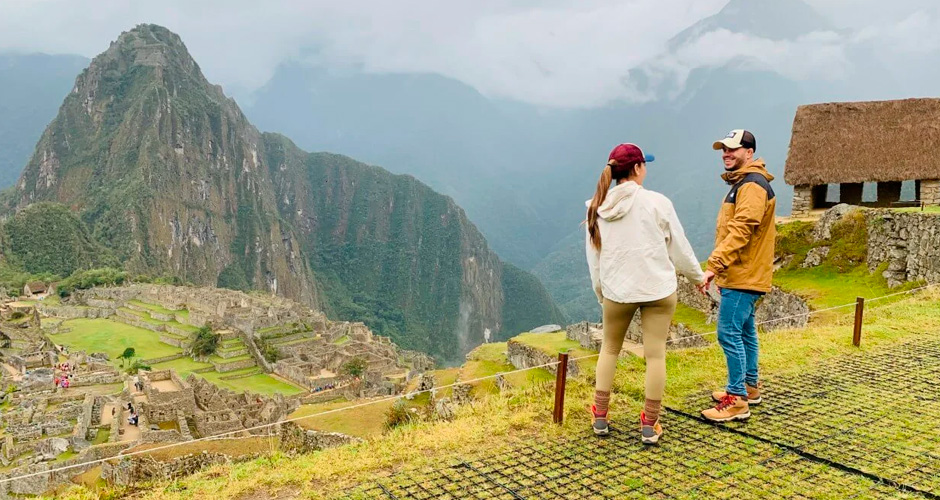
{"points": [[613, 171]]}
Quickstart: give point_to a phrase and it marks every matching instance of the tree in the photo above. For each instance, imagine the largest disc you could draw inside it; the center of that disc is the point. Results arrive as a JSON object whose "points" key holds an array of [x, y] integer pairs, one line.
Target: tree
{"points": [[126, 356], [205, 343], [355, 367]]}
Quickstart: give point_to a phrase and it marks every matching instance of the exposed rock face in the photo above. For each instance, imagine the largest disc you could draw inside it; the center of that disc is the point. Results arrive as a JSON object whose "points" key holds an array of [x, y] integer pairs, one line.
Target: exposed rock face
{"points": [[168, 172], [823, 229], [547, 329], [815, 257], [779, 310]]}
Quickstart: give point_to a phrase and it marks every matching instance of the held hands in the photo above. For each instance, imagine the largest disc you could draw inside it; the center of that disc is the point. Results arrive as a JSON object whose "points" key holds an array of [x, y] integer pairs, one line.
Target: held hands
{"points": [[706, 283]]}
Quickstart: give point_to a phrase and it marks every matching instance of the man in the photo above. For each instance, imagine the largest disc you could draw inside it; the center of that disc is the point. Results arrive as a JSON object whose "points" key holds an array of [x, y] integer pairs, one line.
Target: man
{"points": [[743, 264]]}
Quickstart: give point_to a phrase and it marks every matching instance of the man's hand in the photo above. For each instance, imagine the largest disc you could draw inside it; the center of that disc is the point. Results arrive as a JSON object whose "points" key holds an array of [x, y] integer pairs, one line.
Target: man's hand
{"points": [[706, 282]]}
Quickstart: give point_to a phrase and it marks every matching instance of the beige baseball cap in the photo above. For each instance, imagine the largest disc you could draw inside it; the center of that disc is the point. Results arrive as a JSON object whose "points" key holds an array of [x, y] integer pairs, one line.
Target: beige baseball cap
{"points": [[735, 139]]}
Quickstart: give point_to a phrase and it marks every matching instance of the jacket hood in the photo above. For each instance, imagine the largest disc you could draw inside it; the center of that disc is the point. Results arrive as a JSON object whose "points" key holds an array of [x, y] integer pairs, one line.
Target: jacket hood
{"points": [[755, 167], [618, 202]]}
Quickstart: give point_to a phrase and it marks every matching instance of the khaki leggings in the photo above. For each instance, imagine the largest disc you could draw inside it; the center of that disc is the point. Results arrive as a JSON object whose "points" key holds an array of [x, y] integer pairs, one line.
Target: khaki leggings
{"points": [[655, 318]]}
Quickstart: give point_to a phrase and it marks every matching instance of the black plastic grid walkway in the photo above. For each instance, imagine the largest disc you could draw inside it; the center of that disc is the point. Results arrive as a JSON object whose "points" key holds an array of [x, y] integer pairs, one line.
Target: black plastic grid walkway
{"points": [[863, 426]]}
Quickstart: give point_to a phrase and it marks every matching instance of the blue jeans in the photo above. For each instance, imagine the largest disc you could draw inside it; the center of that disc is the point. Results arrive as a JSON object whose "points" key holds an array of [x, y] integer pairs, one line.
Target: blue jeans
{"points": [[738, 338]]}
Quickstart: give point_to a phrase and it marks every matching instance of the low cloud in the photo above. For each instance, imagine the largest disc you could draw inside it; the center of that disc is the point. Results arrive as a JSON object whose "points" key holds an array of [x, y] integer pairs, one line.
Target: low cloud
{"points": [[546, 52]]}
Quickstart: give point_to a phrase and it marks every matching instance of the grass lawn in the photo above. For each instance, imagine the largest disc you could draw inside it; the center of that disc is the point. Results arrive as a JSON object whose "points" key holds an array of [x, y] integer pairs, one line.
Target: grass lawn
{"points": [[488, 360], [930, 209], [102, 436], [367, 421], [693, 319], [231, 447], [824, 286], [261, 383], [112, 337]]}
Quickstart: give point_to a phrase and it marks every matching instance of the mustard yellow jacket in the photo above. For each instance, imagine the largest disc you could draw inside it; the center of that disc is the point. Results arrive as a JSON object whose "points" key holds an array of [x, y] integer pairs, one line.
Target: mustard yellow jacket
{"points": [[743, 258]]}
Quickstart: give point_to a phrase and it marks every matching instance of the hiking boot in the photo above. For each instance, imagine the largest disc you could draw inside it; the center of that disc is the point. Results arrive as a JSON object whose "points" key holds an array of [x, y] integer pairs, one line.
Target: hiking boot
{"points": [[649, 431], [599, 422], [730, 407], [753, 395]]}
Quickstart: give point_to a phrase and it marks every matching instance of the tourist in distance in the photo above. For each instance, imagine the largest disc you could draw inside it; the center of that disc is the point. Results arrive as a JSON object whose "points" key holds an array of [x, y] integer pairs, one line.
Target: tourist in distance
{"points": [[634, 244], [743, 264]]}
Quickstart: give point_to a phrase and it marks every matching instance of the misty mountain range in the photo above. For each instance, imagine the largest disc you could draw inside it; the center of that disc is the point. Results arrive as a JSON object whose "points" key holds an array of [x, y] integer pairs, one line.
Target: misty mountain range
{"points": [[522, 172]]}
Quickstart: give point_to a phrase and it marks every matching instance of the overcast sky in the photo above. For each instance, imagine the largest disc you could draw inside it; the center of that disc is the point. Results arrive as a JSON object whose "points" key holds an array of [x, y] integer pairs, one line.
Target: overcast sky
{"points": [[549, 52]]}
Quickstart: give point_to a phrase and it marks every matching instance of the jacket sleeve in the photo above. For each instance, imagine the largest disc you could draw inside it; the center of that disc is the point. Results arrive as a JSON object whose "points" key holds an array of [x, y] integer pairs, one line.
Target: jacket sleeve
{"points": [[680, 250], [748, 212], [593, 260]]}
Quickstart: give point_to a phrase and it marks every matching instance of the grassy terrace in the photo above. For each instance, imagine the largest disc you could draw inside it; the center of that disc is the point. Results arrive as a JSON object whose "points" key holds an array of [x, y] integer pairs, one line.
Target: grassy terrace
{"points": [[261, 383], [153, 307]]}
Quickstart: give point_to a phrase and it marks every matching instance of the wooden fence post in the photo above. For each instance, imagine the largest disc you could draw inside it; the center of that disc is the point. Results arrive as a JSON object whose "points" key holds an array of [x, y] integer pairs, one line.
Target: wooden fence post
{"points": [[859, 315], [561, 376]]}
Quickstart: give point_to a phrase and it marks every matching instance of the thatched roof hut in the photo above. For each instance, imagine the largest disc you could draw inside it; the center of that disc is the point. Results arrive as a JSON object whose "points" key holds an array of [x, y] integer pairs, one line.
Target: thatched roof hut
{"points": [[850, 143]]}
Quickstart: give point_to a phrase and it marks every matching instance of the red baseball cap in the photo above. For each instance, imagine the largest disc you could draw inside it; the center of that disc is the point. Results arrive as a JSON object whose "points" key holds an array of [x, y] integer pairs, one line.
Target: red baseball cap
{"points": [[628, 154]]}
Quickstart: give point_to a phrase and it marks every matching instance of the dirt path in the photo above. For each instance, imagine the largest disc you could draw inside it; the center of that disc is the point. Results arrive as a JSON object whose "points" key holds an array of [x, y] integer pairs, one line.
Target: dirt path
{"points": [[106, 416]]}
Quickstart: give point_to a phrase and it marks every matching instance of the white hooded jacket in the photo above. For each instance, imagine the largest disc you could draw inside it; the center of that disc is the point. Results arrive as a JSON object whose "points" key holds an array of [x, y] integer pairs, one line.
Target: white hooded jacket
{"points": [[642, 246]]}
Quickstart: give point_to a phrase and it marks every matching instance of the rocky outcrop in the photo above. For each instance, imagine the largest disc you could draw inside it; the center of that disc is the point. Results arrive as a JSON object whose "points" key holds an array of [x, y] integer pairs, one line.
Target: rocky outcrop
{"points": [[823, 229], [815, 257]]}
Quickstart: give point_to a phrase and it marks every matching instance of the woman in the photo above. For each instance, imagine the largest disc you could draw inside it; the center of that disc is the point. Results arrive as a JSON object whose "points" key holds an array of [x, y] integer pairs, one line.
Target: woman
{"points": [[635, 244]]}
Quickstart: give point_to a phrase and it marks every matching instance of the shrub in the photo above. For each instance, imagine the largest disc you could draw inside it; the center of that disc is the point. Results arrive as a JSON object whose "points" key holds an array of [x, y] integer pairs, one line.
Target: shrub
{"points": [[205, 343], [82, 280], [399, 414], [355, 367], [270, 353]]}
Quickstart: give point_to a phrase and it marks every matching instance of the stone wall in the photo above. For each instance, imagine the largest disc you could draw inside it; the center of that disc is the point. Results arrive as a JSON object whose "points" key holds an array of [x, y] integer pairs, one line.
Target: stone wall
{"points": [[930, 192], [84, 420], [295, 439], [802, 200], [140, 468], [167, 403], [72, 312], [217, 422], [908, 242], [234, 365], [524, 356], [43, 483]]}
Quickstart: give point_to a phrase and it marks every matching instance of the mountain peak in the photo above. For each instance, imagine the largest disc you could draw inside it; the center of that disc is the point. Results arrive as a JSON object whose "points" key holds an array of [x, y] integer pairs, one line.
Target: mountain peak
{"points": [[151, 45], [771, 19]]}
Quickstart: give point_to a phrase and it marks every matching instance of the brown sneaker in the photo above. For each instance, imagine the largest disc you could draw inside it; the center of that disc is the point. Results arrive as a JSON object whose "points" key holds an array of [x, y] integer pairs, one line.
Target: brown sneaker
{"points": [[729, 408], [753, 395], [649, 432]]}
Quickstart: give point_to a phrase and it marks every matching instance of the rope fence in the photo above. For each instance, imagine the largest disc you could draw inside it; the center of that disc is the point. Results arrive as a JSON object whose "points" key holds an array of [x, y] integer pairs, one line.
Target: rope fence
{"points": [[411, 394]]}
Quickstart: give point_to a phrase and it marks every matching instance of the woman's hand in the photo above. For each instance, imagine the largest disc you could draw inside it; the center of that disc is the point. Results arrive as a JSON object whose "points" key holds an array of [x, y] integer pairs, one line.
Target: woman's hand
{"points": [[706, 283]]}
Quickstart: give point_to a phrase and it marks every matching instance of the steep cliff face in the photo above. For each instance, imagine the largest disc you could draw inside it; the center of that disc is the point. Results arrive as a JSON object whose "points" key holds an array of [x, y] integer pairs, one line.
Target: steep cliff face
{"points": [[169, 174], [389, 250]]}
